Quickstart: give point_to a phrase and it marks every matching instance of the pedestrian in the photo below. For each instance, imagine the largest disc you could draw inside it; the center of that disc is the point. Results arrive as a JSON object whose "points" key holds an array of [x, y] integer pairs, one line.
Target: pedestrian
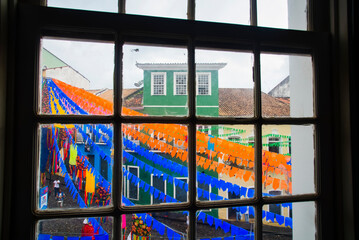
{"points": [[56, 187], [60, 198], [87, 229]]}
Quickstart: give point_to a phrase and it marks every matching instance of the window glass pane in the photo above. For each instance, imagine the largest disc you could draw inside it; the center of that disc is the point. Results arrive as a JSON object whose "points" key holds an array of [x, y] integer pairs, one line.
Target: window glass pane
{"points": [[154, 81], [158, 8], [93, 5], [75, 228], [159, 151], [287, 86], [229, 11], [75, 172], [180, 83], [226, 223], [225, 162], [283, 14], [224, 83], [288, 159], [289, 221], [76, 77], [156, 225]]}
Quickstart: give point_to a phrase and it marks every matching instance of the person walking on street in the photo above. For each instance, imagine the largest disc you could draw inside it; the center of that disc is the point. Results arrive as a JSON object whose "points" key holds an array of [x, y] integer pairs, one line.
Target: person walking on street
{"points": [[56, 187]]}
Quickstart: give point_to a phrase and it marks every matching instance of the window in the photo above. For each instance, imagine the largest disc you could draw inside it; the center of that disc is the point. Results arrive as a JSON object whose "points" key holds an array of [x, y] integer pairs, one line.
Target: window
{"points": [[181, 193], [180, 84], [132, 188], [149, 30], [273, 144], [158, 83], [203, 84], [158, 183]]}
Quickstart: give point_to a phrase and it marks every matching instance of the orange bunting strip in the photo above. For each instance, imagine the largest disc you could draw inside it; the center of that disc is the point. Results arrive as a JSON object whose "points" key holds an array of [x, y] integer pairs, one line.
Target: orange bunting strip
{"points": [[223, 149]]}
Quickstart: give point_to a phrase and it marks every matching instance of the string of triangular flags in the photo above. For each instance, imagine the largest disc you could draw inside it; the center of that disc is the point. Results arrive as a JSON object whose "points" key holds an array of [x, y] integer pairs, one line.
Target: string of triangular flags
{"points": [[72, 189]]}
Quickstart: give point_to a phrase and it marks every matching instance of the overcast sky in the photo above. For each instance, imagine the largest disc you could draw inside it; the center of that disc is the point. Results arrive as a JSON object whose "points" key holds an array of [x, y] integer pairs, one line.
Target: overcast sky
{"points": [[96, 60]]}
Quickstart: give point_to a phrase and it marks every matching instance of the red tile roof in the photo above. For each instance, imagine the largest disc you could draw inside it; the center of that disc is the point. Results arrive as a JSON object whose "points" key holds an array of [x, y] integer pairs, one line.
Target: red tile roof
{"points": [[240, 102], [232, 102]]}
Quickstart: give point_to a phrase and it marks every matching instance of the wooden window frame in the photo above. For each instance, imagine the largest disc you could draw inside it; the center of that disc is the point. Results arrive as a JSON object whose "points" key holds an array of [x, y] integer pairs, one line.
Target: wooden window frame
{"points": [[34, 22]]}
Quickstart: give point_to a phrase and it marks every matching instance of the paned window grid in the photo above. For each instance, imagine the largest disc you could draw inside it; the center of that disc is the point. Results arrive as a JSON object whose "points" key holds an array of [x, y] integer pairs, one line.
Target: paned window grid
{"points": [[193, 122], [191, 11], [203, 84], [181, 84], [158, 84]]}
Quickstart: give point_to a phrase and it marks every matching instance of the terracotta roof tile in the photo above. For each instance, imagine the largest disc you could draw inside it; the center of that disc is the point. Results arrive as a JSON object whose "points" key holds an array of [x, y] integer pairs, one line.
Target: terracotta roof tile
{"points": [[240, 102]]}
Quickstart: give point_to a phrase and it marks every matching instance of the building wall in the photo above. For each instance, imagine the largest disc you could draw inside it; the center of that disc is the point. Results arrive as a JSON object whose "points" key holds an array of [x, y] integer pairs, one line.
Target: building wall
{"points": [[245, 132], [145, 198], [171, 104], [68, 75]]}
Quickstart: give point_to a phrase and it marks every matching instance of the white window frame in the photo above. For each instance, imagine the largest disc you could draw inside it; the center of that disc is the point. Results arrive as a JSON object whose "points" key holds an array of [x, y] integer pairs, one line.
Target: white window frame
{"points": [[209, 83], [271, 140], [165, 183], [210, 191], [175, 187], [164, 83], [128, 184], [175, 74]]}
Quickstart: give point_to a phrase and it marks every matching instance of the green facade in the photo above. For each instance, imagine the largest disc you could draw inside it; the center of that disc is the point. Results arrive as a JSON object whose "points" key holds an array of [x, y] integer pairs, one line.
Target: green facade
{"points": [[50, 60], [177, 105]]}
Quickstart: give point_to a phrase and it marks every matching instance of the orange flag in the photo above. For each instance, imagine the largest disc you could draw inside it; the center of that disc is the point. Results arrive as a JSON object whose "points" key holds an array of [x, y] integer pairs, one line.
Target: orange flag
{"points": [[283, 185], [207, 163], [269, 181], [184, 156], [247, 175], [251, 164], [275, 183], [240, 173], [220, 167], [174, 151], [233, 171], [214, 165]]}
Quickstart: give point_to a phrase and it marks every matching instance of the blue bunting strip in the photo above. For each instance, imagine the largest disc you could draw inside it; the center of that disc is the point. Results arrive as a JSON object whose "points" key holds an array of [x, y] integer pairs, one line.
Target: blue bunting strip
{"points": [[88, 139], [52, 237], [221, 184], [288, 222], [226, 227], [150, 221], [183, 171], [98, 135], [156, 159], [70, 185], [166, 198], [62, 95], [104, 183]]}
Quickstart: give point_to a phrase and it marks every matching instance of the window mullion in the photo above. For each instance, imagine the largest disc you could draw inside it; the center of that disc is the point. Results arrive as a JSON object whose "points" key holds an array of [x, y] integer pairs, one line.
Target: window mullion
{"points": [[121, 6], [191, 8], [192, 140], [117, 158], [253, 12], [258, 142]]}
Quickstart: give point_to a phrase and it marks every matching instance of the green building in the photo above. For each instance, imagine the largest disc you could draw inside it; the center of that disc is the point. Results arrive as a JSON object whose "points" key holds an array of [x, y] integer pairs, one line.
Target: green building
{"points": [[165, 88], [165, 92]]}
